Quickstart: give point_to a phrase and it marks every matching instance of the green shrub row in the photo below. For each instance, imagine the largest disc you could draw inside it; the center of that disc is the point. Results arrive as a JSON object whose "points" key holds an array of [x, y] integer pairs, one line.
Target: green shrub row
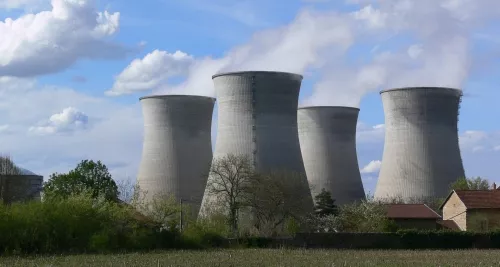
{"points": [[81, 224]]}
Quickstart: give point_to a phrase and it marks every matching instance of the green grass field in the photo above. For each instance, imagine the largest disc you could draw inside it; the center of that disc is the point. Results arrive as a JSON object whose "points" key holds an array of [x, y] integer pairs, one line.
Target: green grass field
{"points": [[270, 257]]}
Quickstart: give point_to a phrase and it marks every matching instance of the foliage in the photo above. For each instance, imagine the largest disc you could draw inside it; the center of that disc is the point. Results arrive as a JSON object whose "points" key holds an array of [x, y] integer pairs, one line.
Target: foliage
{"points": [[275, 198], [88, 177], [325, 204], [76, 224], [476, 183], [230, 177], [364, 216]]}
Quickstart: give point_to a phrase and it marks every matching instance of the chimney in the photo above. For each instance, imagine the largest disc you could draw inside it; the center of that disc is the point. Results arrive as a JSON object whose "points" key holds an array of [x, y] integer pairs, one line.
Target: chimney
{"points": [[494, 186]]}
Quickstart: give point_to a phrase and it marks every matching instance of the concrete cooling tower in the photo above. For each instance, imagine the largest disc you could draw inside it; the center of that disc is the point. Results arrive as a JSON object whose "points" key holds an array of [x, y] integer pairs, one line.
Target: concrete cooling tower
{"points": [[177, 148], [328, 143], [257, 117], [421, 152]]}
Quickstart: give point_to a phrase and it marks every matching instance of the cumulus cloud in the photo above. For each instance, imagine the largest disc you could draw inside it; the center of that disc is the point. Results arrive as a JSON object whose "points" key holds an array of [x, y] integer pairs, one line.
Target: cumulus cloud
{"points": [[115, 135], [371, 167], [151, 72], [67, 121], [50, 41]]}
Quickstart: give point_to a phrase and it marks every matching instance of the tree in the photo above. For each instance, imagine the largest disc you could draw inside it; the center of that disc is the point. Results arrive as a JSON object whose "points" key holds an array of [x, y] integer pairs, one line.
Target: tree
{"points": [[325, 204], [229, 180], [476, 183], [277, 197], [364, 216], [88, 177]]}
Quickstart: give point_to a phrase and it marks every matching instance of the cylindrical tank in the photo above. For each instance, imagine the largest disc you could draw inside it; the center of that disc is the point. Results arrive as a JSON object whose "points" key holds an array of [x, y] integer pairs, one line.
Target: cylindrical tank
{"points": [[421, 156], [327, 137], [24, 185], [177, 148], [258, 118]]}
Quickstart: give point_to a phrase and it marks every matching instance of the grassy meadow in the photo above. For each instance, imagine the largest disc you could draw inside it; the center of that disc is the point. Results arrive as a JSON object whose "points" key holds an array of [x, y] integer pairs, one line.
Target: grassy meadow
{"points": [[270, 257]]}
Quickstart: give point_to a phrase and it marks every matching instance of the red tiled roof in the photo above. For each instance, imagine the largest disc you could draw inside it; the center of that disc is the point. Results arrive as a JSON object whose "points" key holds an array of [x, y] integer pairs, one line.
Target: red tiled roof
{"points": [[480, 199], [410, 211], [448, 224]]}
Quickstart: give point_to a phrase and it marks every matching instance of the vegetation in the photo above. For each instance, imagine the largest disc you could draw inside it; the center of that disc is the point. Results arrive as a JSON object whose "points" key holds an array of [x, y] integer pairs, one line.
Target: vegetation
{"points": [[230, 178], [476, 183], [88, 177], [270, 257], [325, 204], [275, 202]]}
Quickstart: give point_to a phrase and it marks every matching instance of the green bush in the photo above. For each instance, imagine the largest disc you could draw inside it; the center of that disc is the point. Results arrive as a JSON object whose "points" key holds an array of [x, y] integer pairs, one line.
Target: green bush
{"points": [[76, 224]]}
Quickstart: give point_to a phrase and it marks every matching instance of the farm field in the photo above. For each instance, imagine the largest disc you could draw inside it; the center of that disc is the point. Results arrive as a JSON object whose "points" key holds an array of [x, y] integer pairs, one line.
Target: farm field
{"points": [[270, 257]]}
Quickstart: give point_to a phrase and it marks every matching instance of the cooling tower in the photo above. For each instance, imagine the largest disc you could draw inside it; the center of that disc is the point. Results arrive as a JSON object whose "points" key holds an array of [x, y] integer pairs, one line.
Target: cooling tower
{"points": [[257, 117], [328, 142], [177, 148], [421, 152]]}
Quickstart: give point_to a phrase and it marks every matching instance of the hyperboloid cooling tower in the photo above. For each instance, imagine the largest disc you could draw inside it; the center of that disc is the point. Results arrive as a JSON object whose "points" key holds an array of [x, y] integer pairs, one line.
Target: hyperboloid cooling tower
{"points": [[177, 149], [328, 143], [257, 117], [421, 152]]}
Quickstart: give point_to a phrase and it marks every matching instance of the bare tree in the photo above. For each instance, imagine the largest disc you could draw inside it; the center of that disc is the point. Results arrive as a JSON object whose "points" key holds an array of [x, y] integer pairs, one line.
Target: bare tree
{"points": [[276, 197], [230, 178]]}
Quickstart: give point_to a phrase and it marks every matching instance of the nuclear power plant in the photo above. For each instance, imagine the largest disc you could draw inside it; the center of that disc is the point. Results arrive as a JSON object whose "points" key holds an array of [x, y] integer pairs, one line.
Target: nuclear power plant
{"points": [[257, 117], [327, 137], [177, 148], [421, 155]]}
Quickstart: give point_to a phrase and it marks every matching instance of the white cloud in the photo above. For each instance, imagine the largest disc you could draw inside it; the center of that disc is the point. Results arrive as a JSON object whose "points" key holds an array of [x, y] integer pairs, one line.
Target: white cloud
{"points": [[115, 135], [370, 134], [151, 72], [69, 120], [50, 41], [371, 167]]}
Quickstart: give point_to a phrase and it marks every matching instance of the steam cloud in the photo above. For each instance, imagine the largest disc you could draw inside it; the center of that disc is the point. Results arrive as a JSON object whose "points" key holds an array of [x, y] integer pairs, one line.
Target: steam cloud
{"points": [[411, 43]]}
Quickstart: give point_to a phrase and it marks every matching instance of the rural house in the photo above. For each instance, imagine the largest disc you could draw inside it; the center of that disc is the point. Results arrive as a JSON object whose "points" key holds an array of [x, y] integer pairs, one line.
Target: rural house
{"points": [[473, 210], [413, 216]]}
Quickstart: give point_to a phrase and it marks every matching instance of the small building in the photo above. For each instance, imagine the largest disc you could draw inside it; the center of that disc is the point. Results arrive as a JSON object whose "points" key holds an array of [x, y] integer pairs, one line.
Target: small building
{"points": [[473, 210], [413, 216]]}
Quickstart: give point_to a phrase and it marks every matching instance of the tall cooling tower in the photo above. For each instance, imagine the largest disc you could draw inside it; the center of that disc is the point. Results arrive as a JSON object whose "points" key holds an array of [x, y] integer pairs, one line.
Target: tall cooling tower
{"points": [[177, 149], [328, 143], [257, 117], [421, 152]]}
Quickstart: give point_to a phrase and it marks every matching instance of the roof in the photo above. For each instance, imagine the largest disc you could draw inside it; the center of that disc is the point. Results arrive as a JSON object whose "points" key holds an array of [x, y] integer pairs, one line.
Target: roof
{"points": [[410, 211], [26, 172], [477, 199], [448, 224]]}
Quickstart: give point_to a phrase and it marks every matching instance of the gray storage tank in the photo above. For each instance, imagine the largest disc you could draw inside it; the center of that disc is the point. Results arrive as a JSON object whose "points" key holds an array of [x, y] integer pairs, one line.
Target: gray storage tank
{"points": [[328, 142], [421, 152], [20, 185], [257, 117], [177, 148]]}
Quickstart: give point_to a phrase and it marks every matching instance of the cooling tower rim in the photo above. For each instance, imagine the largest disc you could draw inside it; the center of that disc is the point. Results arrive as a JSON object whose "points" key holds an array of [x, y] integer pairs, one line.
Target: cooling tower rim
{"points": [[328, 107], [437, 88], [294, 75], [176, 96]]}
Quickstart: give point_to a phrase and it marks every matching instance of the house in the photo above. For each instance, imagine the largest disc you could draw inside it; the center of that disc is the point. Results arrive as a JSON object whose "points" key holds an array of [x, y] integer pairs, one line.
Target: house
{"points": [[413, 216], [473, 210]]}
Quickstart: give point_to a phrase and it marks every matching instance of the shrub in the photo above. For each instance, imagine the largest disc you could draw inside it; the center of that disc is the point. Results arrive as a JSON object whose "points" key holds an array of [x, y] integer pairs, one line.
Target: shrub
{"points": [[76, 224]]}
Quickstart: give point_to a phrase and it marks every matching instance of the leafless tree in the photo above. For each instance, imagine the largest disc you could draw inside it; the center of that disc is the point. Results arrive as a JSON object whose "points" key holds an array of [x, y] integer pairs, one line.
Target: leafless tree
{"points": [[230, 178], [277, 196]]}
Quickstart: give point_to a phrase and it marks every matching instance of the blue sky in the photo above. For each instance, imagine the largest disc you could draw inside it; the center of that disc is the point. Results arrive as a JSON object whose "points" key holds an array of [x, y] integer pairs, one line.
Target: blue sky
{"points": [[69, 85]]}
